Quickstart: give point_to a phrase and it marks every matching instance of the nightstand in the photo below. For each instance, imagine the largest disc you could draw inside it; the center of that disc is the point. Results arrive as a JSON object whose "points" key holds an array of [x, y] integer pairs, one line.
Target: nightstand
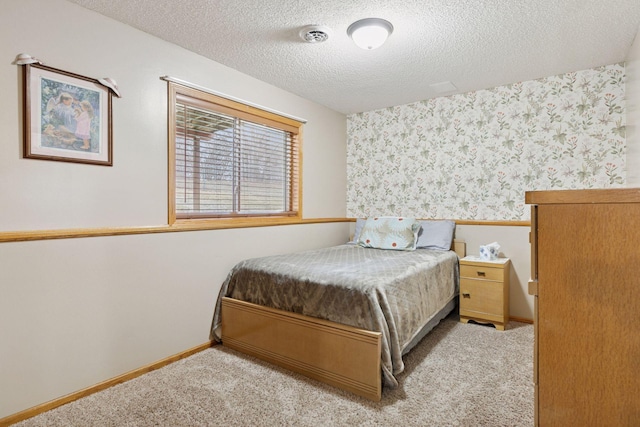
{"points": [[484, 291]]}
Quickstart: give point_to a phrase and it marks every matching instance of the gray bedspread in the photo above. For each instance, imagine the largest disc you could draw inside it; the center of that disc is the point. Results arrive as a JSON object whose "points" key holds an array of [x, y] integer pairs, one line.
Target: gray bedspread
{"points": [[393, 292]]}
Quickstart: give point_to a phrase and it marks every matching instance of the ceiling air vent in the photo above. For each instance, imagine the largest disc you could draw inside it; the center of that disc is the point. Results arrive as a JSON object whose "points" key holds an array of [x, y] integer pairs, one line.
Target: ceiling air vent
{"points": [[315, 33]]}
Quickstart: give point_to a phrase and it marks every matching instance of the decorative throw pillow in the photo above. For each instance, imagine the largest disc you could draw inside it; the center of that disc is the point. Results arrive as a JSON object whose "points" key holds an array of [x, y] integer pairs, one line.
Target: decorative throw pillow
{"points": [[436, 235], [395, 233]]}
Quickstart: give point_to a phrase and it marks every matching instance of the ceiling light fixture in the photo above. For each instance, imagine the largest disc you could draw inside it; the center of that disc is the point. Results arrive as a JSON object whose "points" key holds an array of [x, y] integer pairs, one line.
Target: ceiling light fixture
{"points": [[370, 33]]}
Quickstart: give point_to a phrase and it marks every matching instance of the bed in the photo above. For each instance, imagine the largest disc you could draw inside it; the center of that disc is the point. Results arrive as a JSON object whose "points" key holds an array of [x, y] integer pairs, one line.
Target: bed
{"points": [[344, 315]]}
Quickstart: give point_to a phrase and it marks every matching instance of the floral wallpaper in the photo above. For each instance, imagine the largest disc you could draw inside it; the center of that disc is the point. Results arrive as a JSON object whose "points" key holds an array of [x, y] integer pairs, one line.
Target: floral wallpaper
{"points": [[472, 156]]}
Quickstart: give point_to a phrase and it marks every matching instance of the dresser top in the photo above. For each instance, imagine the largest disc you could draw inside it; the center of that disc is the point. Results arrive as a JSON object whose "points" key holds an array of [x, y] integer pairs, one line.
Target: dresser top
{"points": [[609, 195]]}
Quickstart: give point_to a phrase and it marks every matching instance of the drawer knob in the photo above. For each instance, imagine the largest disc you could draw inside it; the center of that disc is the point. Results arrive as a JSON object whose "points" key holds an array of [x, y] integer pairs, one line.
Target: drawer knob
{"points": [[481, 273], [466, 295]]}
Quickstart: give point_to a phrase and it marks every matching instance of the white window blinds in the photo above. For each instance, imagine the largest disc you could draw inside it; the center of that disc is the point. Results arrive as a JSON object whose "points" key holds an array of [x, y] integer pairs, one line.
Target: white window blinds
{"points": [[232, 163]]}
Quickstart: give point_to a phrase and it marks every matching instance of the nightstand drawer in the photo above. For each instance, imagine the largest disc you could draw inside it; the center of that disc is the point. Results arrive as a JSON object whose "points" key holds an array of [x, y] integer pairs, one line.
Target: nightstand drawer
{"points": [[481, 297], [481, 272]]}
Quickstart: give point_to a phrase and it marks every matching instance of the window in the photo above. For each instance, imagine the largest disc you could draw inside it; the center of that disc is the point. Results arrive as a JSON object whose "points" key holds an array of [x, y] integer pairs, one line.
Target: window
{"points": [[228, 160]]}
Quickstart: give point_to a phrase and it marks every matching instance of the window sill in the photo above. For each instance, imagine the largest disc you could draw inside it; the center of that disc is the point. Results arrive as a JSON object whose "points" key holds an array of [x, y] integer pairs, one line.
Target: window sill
{"points": [[240, 222]]}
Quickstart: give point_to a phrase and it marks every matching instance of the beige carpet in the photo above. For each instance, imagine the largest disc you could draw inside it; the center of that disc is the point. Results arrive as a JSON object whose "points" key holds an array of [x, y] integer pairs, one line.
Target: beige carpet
{"points": [[459, 375]]}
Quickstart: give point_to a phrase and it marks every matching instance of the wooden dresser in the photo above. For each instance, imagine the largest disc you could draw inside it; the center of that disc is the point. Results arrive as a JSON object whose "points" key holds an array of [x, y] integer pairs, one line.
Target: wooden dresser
{"points": [[585, 259]]}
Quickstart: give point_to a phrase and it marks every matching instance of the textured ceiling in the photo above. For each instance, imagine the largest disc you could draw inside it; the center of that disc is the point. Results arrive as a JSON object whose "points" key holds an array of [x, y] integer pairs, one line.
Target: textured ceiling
{"points": [[475, 44]]}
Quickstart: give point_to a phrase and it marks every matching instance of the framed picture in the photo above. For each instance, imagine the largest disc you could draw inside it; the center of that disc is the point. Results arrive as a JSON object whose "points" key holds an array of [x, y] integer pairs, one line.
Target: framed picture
{"points": [[67, 117]]}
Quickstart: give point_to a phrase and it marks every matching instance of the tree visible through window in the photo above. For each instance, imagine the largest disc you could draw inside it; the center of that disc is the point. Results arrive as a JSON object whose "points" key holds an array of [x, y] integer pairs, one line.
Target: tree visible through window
{"points": [[229, 160]]}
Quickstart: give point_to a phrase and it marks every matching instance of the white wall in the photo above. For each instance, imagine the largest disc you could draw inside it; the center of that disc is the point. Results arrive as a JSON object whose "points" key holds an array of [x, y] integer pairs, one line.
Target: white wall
{"points": [[76, 312], [133, 191], [633, 114]]}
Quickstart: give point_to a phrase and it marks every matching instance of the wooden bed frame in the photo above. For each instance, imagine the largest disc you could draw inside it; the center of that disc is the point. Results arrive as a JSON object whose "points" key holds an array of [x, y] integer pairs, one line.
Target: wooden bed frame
{"points": [[336, 354]]}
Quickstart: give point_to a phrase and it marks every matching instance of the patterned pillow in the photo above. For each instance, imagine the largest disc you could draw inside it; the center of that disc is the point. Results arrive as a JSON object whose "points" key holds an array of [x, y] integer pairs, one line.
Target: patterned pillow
{"points": [[395, 233]]}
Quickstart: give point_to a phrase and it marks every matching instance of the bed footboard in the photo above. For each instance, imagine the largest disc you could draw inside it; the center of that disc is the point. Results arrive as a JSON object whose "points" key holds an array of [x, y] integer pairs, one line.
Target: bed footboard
{"points": [[339, 355]]}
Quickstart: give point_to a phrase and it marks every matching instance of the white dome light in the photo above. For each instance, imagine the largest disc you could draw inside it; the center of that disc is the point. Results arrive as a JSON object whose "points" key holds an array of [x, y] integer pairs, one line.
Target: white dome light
{"points": [[370, 33]]}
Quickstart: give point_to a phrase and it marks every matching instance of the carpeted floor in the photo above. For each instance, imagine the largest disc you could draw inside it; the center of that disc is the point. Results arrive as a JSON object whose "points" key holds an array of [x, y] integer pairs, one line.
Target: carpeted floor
{"points": [[459, 375]]}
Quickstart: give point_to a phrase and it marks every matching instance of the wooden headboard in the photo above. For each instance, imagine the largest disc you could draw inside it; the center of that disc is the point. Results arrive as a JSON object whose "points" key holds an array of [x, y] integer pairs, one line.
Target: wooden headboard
{"points": [[459, 247]]}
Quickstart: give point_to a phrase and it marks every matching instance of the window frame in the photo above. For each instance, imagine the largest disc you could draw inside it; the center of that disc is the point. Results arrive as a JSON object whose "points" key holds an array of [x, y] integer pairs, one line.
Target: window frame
{"points": [[245, 112]]}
